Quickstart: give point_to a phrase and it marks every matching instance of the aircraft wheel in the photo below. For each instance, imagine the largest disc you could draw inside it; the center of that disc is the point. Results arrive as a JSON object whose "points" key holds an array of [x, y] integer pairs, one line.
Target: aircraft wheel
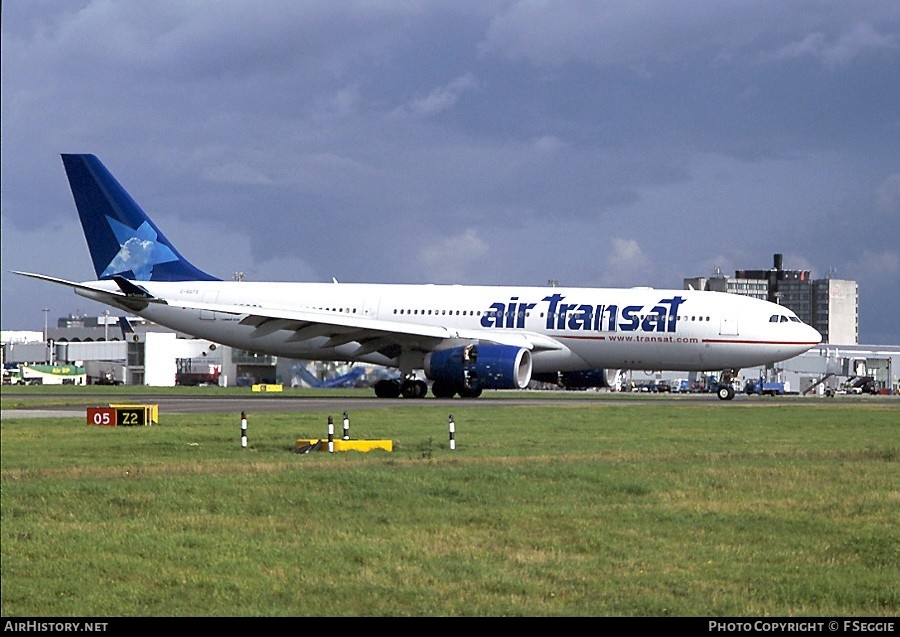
{"points": [[414, 389], [387, 389], [442, 390], [470, 392], [725, 393]]}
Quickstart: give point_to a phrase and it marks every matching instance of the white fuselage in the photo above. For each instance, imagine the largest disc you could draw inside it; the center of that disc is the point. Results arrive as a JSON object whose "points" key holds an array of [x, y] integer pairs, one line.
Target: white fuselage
{"points": [[566, 328]]}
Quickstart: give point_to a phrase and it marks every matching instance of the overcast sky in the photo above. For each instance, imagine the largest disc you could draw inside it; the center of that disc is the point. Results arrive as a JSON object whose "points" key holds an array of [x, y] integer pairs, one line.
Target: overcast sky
{"points": [[624, 143]]}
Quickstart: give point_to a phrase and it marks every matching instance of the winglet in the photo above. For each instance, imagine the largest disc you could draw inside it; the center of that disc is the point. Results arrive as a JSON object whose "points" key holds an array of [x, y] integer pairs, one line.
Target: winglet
{"points": [[122, 239]]}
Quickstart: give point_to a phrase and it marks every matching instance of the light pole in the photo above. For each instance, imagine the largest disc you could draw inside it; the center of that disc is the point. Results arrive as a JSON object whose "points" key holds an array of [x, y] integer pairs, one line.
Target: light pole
{"points": [[106, 325], [49, 347]]}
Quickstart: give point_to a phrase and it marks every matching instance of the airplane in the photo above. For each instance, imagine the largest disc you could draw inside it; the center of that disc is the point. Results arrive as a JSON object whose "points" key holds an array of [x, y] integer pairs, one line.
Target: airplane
{"points": [[463, 338]]}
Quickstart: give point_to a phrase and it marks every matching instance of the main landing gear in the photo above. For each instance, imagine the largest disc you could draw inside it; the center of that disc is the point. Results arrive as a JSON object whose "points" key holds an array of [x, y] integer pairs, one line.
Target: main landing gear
{"points": [[394, 388], [414, 388]]}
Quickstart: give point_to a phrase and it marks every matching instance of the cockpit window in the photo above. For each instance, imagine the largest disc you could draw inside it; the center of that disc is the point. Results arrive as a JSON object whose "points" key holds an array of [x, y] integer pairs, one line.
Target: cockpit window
{"points": [[795, 319], [773, 318]]}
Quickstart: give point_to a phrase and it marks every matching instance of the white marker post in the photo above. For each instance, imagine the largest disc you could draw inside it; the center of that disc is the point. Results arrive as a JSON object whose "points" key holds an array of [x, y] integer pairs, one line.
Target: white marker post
{"points": [[243, 430], [330, 434], [346, 426], [452, 431]]}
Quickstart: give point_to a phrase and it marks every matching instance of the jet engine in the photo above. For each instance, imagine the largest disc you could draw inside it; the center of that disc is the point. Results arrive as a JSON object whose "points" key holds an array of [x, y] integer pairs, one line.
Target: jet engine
{"points": [[471, 368]]}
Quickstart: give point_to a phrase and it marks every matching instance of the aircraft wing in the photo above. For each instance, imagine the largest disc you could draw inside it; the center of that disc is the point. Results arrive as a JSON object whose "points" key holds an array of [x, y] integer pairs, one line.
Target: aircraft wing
{"points": [[371, 334]]}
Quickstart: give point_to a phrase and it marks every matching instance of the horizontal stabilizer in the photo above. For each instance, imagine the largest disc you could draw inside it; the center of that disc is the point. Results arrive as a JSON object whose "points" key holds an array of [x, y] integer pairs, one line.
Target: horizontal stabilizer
{"points": [[98, 292], [130, 288]]}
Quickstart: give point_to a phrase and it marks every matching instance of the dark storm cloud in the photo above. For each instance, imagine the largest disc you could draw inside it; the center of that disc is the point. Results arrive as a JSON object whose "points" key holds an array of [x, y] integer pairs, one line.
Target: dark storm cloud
{"points": [[596, 143]]}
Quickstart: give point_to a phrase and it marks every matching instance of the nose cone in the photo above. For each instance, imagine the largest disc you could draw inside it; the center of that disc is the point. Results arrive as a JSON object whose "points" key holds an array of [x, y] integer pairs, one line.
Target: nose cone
{"points": [[814, 337], [807, 337], [803, 338]]}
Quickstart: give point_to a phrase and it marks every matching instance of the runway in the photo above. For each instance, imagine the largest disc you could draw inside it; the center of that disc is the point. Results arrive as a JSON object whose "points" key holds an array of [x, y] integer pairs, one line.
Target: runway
{"points": [[222, 404], [235, 404]]}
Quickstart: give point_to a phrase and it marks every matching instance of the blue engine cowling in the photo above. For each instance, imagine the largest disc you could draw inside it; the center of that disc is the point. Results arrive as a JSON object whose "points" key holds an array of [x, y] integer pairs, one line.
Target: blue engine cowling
{"points": [[481, 366], [581, 379]]}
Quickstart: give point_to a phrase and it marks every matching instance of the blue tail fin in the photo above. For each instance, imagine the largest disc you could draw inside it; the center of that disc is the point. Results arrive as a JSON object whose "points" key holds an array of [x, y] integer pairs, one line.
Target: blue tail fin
{"points": [[122, 239]]}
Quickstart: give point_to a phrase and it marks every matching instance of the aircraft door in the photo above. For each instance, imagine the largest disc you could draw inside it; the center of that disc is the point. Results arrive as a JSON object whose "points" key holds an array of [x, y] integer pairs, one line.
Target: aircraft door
{"points": [[728, 324], [370, 307]]}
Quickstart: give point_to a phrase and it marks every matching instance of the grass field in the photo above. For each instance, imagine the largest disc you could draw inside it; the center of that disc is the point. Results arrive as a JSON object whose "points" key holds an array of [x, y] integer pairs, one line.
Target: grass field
{"points": [[769, 507]]}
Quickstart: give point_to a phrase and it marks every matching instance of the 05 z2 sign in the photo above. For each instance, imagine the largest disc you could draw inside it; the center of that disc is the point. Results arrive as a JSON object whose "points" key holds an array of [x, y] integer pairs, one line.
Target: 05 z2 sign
{"points": [[117, 416]]}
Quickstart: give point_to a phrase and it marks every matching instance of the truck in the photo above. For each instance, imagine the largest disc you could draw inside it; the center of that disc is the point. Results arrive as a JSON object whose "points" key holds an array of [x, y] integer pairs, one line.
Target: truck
{"points": [[193, 372], [104, 373], [860, 385], [763, 388], [40, 374]]}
